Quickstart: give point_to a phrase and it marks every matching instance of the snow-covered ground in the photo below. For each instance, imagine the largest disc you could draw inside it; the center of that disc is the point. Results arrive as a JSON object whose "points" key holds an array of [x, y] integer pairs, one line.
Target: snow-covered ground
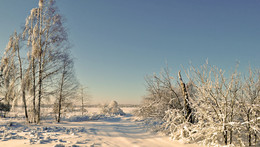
{"points": [[112, 131]]}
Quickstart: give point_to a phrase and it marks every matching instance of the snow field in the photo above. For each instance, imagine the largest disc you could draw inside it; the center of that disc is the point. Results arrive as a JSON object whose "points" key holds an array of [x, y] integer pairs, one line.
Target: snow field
{"points": [[106, 131]]}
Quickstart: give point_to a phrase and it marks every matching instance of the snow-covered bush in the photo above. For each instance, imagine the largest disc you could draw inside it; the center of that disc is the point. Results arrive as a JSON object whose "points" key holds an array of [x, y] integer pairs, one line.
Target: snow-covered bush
{"points": [[219, 99], [224, 108], [111, 109], [162, 95]]}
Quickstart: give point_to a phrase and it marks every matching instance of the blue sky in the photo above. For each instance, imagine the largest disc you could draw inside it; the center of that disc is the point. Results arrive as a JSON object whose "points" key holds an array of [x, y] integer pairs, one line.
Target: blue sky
{"points": [[118, 42]]}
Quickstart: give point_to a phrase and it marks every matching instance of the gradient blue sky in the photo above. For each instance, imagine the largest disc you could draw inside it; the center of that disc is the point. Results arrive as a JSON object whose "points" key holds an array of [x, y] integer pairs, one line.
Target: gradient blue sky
{"points": [[118, 42]]}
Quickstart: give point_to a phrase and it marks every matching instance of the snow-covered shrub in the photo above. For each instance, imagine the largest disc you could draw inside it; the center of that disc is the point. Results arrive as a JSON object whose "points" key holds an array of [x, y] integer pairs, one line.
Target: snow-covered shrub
{"points": [[79, 118], [162, 94], [249, 105], [225, 108], [219, 99], [111, 109]]}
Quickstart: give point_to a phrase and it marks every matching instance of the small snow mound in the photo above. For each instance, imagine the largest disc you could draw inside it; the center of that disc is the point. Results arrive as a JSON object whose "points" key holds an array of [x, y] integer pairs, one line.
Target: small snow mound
{"points": [[111, 109], [78, 118], [59, 145]]}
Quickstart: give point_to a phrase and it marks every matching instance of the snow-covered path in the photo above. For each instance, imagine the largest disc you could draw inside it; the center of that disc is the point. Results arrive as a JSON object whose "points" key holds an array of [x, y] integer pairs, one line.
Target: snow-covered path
{"points": [[108, 132], [124, 132]]}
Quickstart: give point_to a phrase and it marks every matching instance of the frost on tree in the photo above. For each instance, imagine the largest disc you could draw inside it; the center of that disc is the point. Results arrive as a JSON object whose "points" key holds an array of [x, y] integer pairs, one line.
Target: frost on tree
{"points": [[225, 107], [162, 94], [10, 71], [46, 39], [34, 76]]}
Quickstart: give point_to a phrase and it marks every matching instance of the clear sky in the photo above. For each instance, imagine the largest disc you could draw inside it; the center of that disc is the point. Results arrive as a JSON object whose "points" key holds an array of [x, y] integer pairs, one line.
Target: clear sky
{"points": [[118, 42]]}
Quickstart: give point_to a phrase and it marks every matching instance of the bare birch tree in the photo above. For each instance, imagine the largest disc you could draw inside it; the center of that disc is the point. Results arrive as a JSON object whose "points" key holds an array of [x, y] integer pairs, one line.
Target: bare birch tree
{"points": [[67, 84]]}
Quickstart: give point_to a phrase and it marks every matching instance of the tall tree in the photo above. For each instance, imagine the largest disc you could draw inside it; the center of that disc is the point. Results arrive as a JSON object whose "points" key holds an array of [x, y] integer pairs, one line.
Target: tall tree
{"points": [[46, 36], [10, 71], [12, 55]]}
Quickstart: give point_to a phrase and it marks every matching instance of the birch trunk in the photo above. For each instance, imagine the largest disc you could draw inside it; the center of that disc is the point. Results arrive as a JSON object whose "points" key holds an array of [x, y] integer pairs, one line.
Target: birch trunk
{"points": [[22, 85], [40, 67], [60, 96]]}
